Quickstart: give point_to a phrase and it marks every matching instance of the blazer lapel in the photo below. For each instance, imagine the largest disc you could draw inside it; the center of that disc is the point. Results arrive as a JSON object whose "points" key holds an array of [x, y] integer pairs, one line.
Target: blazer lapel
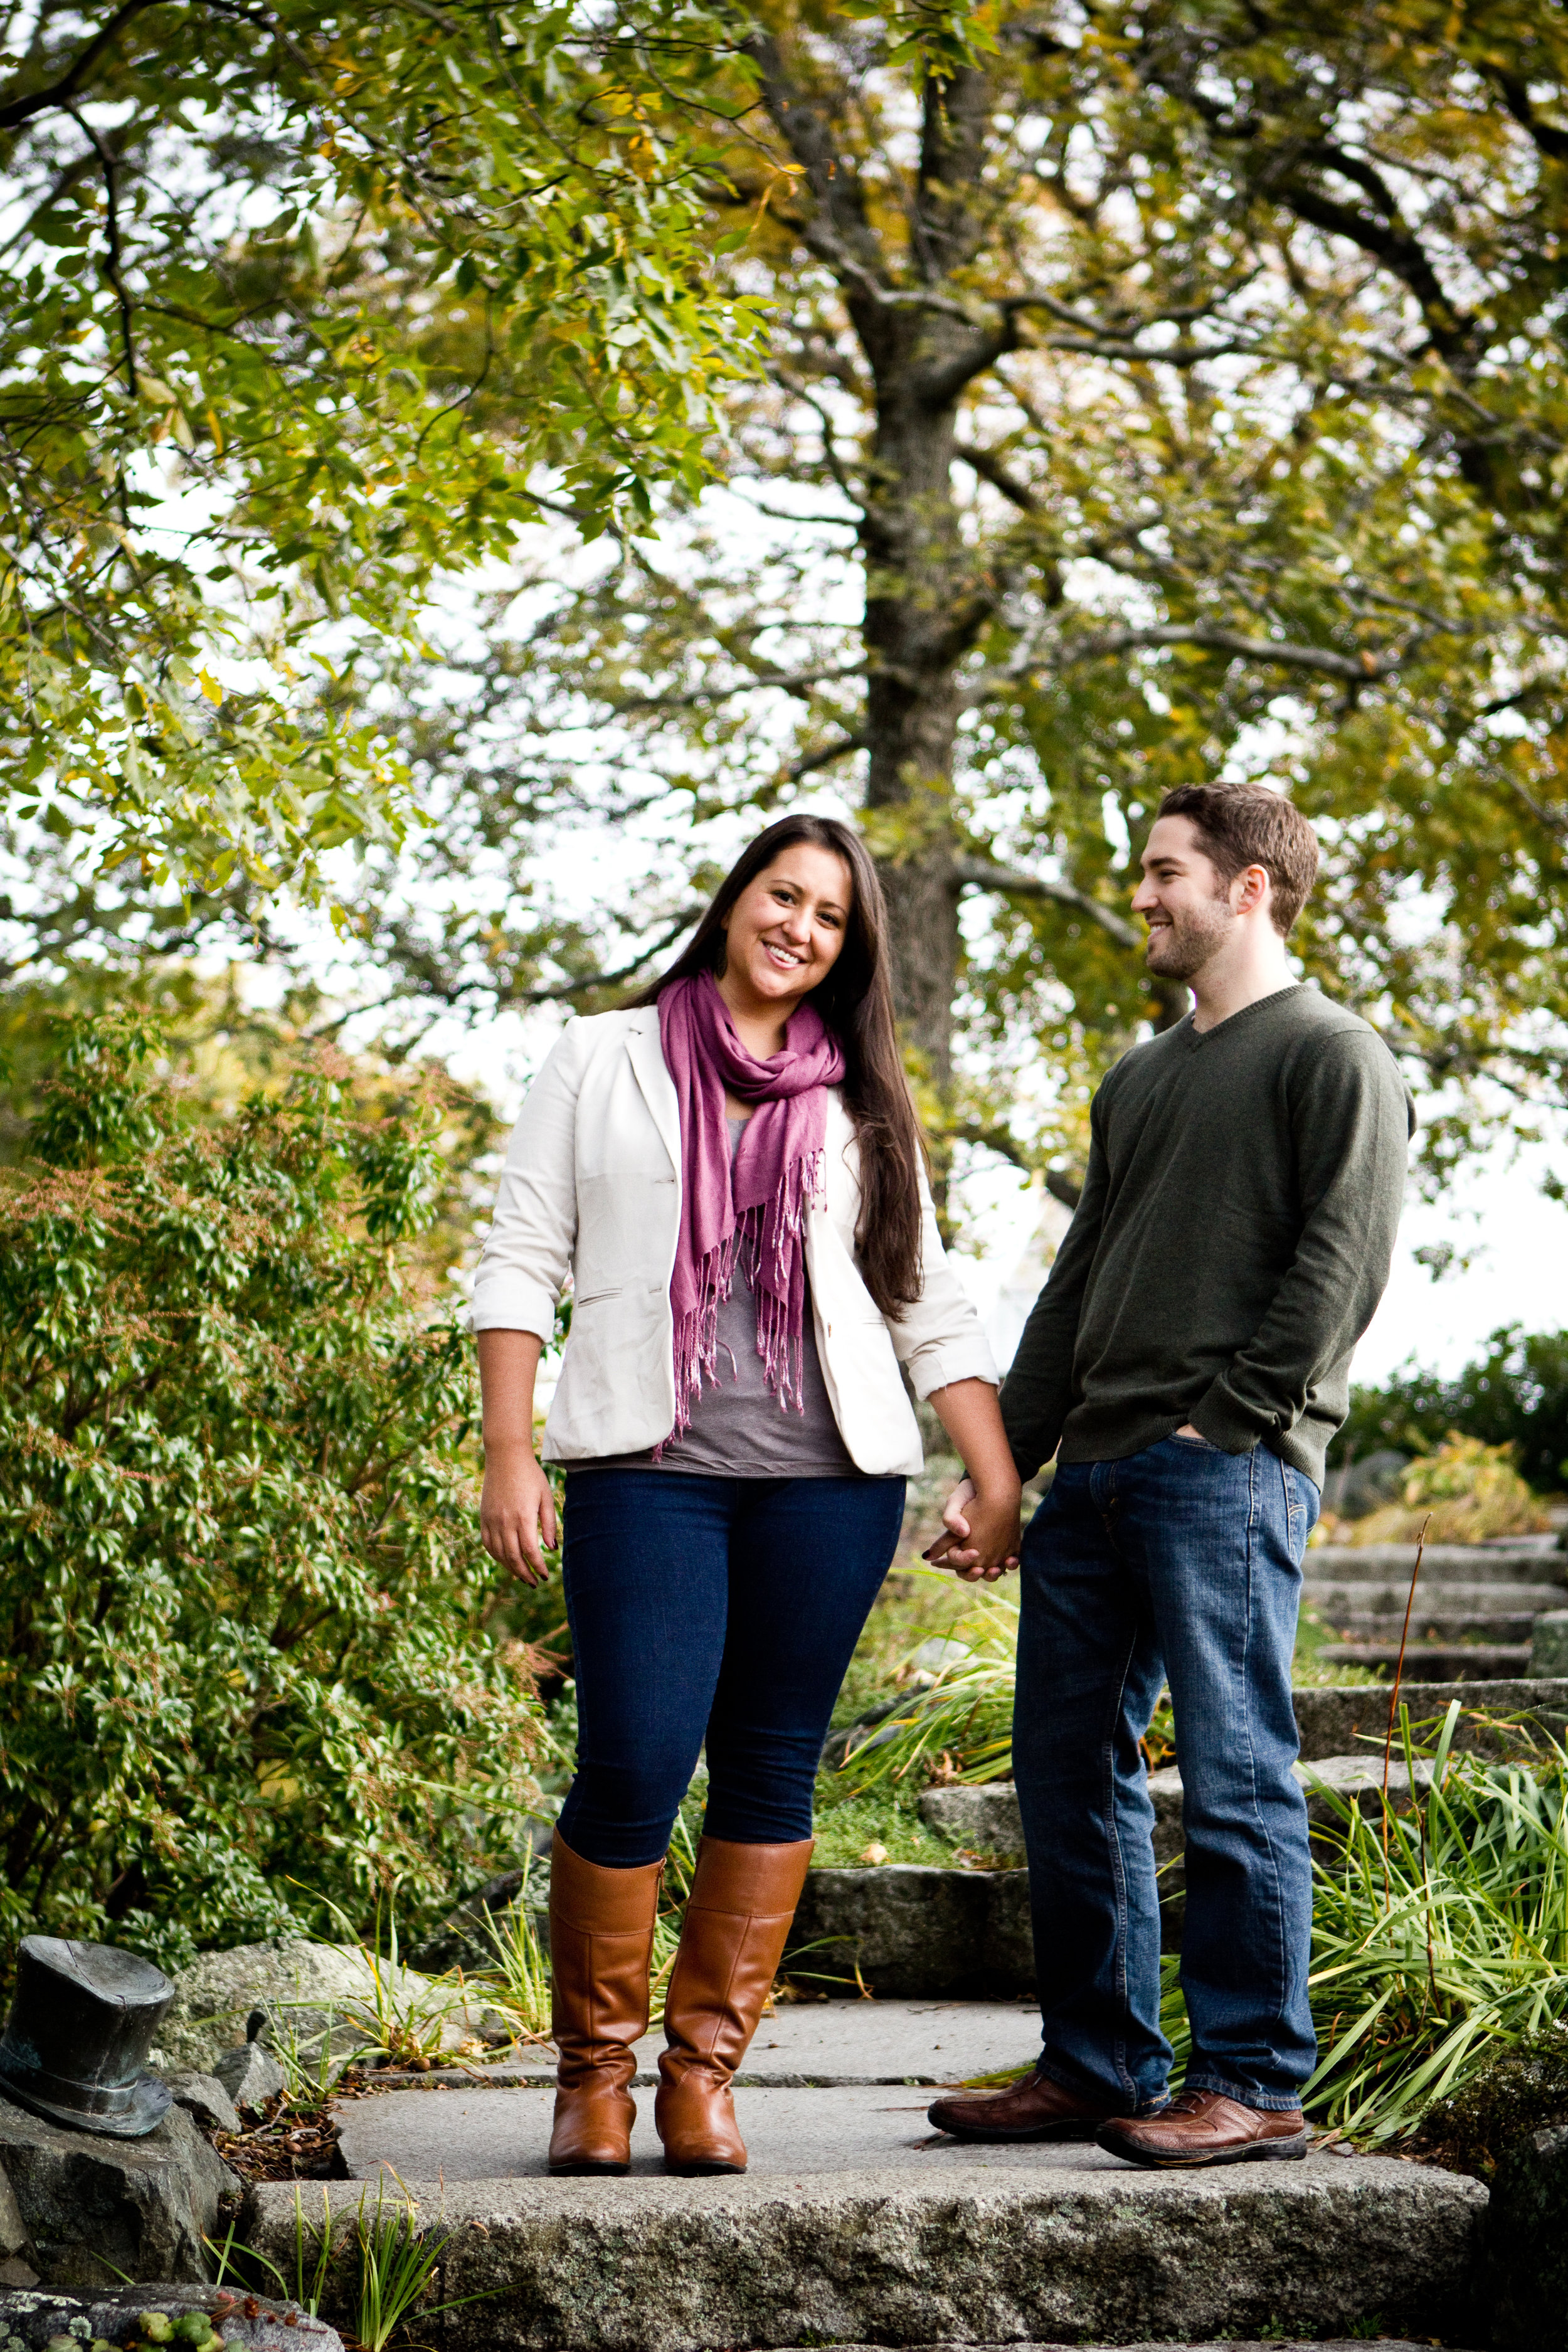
{"points": [[658, 1085]]}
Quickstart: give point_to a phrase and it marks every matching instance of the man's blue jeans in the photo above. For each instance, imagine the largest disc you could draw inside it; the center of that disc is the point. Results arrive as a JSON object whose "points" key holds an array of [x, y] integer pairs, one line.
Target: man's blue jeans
{"points": [[717, 1609], [1179, 1563]]}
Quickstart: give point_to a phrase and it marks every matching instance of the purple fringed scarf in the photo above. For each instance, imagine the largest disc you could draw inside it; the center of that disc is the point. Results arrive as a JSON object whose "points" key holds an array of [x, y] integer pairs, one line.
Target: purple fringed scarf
{"points": [[758, 1203]]}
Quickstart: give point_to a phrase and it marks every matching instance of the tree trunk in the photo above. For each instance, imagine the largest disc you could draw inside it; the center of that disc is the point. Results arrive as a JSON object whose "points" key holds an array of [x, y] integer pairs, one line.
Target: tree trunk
{"points": [[923, 605], [914, 592]]}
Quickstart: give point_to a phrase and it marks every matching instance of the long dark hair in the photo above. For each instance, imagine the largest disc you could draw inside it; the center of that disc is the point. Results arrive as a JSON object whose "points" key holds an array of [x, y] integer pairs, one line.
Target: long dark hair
{"points": [[856, 1000]]}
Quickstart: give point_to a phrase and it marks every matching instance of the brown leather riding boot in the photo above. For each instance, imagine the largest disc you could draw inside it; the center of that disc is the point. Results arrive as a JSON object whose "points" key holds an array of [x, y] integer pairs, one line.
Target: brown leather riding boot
{"points": [[601, 1943], [743, 1900]]}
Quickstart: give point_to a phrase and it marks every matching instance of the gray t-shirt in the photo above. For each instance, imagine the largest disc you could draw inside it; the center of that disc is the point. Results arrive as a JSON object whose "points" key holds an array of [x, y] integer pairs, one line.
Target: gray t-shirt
{"points": [[737, 1428]]}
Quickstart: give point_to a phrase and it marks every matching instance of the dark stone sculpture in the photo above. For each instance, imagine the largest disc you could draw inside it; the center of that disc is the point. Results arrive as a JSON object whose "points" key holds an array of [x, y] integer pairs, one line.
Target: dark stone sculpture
{"points": [[81, 2025]]}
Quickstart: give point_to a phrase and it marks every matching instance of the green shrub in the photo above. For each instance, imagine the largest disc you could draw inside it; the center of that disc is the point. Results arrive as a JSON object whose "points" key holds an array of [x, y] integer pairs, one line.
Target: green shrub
{"points": [[248, 1645], [1516, 1395], [1464, 1492]]}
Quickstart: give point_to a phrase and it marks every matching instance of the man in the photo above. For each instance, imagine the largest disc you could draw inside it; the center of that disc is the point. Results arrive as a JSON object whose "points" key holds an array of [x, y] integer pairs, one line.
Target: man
{"points": [[1187, 1363]]}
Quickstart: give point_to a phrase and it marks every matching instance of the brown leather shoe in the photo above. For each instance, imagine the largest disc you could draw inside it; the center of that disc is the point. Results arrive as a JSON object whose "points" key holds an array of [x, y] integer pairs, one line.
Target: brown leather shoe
{"points": [[732, 1941], [1204, 2127], [601, 1942], [1037, 2109]]}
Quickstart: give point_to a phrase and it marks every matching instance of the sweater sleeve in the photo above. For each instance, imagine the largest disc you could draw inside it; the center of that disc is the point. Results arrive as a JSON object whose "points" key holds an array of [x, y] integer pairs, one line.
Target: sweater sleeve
{"points": [[1351, 1119], [1036, 1395]]}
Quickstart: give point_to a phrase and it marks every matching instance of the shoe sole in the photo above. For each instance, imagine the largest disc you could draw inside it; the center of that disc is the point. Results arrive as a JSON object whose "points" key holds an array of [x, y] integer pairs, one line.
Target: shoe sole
{"points": [[1255, 2151], [700, 2169], [994, 2138], [584, 2172]]}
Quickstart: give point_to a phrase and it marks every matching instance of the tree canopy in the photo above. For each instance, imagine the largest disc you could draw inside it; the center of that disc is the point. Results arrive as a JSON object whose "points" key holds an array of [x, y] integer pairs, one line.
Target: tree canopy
{"points": [[1173, 390], [1097, 396], [263, 264]]}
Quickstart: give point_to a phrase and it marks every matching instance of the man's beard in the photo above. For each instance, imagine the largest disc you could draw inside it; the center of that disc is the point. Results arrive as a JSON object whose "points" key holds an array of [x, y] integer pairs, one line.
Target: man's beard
{"points": [[1195, 935]]}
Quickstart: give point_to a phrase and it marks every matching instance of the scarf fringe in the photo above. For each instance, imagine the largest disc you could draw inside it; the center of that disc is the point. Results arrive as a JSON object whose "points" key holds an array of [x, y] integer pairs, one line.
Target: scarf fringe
{"points": [[773, 1233]]}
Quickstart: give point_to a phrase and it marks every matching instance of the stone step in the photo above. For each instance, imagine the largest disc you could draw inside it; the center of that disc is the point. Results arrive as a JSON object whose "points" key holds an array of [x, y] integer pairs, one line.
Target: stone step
{"points": [[1336, 1564], [1524, 1558], [1431, 1625], [1527, 1602], [1274, 2344], [856, 2225], [1438, 1662], [914, 1932], [814, 2045], [1336, 1722]]}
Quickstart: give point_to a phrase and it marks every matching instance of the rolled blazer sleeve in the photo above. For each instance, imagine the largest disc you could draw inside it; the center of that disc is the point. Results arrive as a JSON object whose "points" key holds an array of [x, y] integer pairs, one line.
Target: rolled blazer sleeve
{"points": [[527, 1254], [938, 1339]]}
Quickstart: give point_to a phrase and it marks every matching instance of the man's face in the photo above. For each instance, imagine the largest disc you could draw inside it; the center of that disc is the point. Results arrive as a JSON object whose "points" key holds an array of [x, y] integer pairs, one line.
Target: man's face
{"points": [[1182, 898]]}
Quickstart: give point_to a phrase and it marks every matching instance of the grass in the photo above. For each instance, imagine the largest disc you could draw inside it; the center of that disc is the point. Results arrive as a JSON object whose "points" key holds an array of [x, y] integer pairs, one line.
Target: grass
{"points": [[847, 1827], [1439, 1935], [518, 1983], [397, 2264]]}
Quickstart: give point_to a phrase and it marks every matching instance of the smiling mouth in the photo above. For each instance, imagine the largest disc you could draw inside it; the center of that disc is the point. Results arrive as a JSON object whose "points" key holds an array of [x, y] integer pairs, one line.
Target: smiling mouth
{"points": [[784, 957]]}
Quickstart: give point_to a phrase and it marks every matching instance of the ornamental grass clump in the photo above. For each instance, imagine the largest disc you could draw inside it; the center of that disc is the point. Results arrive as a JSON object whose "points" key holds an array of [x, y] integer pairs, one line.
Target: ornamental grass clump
{"points": [[250, 1632], [956, 1722], [1439, 1933]]}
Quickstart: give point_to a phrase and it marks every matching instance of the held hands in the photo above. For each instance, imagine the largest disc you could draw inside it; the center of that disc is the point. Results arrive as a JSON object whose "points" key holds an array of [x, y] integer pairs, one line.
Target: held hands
{"points": [[517, 1513], [982, 1533]]}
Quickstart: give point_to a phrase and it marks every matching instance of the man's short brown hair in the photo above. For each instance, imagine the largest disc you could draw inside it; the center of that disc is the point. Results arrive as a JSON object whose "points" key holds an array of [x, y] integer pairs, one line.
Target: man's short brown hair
{"points": [[1248, 824]]}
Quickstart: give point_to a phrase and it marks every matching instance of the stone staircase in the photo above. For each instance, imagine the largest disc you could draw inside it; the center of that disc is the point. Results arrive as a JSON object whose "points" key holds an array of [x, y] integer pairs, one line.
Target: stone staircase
{"points": [[856, 2225], [1475, 1610]]}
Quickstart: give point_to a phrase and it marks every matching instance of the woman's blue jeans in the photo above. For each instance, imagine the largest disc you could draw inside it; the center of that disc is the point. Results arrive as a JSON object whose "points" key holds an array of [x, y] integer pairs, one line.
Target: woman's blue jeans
{"points": [[717, 1609], [1179, 1563]]}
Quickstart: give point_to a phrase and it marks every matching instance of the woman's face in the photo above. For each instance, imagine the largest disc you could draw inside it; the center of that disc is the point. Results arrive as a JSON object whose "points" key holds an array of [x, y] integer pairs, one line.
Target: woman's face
{"points": [[785, 932]]}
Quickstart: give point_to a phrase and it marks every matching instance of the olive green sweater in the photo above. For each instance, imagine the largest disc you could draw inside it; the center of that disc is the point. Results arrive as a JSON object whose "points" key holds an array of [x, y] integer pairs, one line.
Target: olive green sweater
{"points": [[1231, 1244]]}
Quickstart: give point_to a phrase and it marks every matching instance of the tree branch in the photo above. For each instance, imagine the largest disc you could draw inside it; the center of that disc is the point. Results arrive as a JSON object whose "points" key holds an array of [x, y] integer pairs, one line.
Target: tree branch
{"points": [[60, 94], [1363, 669], [112, 239], [990, 468], [781, 681], [839, 749], [979, 874]]}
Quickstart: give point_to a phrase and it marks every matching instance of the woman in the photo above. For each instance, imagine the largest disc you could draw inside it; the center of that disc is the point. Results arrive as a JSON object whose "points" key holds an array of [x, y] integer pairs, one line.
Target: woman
{"points": [[732, 1173]]}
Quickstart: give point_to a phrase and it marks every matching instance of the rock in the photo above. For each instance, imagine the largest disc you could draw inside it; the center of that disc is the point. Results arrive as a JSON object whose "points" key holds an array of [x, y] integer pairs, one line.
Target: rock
{"points": [[81, 2208], [1077, 2250], [986, 1819], [1525, 2272], [1367, 1485], [31, 2320], [914, 1932], [1549, 1643], [248, 2076], [306, 1990], [204, 2096]]}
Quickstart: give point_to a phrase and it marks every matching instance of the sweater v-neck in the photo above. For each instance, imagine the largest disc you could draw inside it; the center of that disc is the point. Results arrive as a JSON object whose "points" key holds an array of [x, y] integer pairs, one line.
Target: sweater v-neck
{"points": [[1197, 1036]]}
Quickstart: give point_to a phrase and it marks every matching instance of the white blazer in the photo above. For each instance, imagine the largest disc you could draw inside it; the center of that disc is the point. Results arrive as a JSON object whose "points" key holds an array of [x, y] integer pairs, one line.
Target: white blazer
{"points": [[592, 1185]]}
